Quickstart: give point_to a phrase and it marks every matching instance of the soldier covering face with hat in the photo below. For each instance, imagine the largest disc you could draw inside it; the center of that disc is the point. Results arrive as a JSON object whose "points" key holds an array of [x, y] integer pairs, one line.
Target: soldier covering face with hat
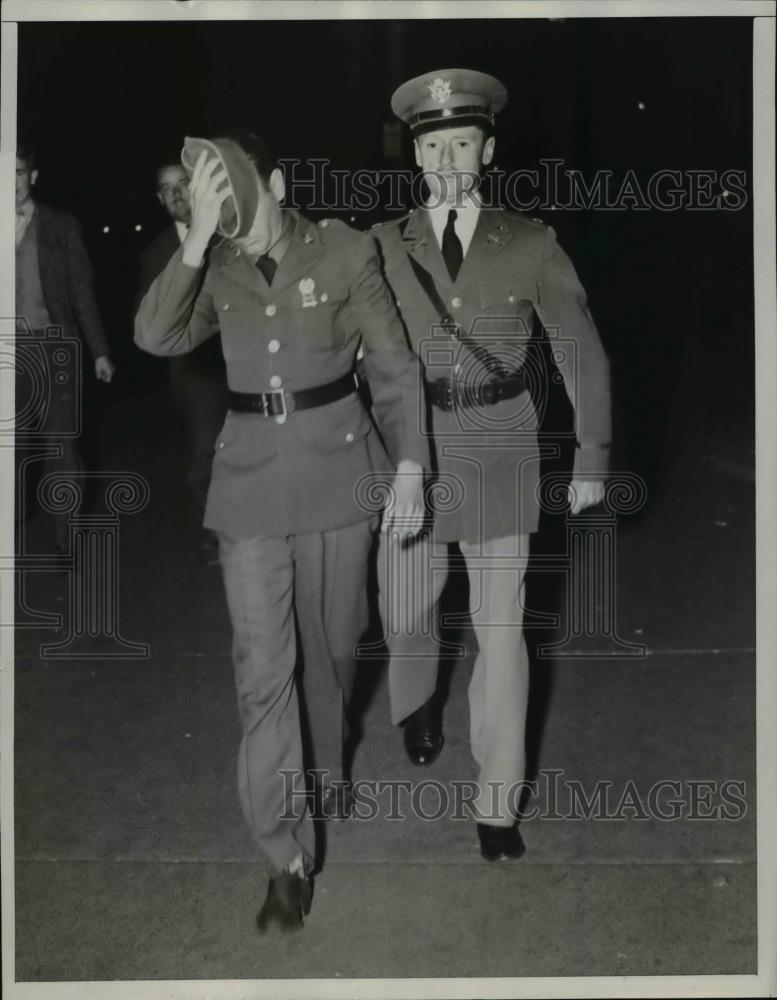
{"points": [[475, 285], [289, 297]]}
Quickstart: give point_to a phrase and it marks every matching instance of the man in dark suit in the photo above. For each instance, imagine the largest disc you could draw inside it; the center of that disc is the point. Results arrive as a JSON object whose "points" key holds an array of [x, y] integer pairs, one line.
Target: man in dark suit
{"points": [[286, 496], [54, 289], [198, 379], [475, 284]]}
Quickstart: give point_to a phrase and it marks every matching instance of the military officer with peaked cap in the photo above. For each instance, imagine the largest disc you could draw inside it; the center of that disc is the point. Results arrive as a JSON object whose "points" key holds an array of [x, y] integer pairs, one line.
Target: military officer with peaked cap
{"points": [[474, 285], [287, 296]]}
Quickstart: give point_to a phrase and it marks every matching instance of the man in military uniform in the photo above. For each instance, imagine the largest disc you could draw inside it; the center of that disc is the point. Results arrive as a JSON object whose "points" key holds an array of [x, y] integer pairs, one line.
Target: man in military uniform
{"points": [[289, 298], [472, 283]]}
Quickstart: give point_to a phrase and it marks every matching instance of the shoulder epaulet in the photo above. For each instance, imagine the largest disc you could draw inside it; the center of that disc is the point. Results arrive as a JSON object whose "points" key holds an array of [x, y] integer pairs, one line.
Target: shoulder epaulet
{"points": [[532, 221], [336, 231], [397, 220], [334, 223]]}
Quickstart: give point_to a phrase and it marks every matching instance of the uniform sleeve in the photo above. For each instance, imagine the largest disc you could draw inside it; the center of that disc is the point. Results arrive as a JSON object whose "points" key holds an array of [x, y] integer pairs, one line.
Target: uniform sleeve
{"points": [[82, 294], [393, 370], [176, 313], [585, 368]]}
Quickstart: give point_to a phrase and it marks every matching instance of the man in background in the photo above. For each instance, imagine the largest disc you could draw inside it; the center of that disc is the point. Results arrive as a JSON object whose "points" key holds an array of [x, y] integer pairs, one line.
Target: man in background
{"points": [[54, 289], [198, 379]]}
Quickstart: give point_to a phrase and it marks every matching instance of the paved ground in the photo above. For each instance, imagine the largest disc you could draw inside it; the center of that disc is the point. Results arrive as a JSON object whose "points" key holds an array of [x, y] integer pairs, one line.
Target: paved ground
{"points": [[132, 858]]}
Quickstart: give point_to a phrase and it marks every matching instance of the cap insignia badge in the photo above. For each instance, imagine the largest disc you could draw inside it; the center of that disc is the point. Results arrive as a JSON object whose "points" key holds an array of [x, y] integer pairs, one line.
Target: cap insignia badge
{"points": [[440, 89], [307, 289]]}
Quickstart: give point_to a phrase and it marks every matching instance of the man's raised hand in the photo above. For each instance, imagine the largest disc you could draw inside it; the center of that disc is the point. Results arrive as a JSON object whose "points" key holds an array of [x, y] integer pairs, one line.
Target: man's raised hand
{"points": [[209, 189]]}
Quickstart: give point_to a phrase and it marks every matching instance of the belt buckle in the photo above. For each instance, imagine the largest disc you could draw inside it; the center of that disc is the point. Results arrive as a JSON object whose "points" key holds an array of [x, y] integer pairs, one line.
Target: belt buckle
{"points": [[281, 393]]}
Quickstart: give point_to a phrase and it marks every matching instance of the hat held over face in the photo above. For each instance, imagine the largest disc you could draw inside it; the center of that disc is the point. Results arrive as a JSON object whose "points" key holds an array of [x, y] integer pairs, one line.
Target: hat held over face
{"points": [[448, 97], [239, 209]]}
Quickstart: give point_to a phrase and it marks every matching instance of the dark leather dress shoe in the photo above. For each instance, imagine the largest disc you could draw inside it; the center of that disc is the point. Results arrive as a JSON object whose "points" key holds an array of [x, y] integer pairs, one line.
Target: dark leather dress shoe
{"points": [[500, 843], [423, 733], [336, 801], [288, 901]]}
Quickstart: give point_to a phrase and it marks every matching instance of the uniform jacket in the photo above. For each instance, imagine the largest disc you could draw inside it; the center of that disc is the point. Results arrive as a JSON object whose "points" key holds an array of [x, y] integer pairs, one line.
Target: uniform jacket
{"points": [[152, 262], [67, 279], [301, 474], [487, 458]]}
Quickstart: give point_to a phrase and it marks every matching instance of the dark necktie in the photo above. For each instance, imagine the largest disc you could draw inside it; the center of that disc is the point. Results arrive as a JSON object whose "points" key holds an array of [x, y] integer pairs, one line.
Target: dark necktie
{"points": [[268, 267], [452, 251]]}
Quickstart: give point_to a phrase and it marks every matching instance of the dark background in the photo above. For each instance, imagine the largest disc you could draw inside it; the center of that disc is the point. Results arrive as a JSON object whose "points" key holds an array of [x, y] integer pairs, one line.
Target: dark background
{"points": [[102, 102]]}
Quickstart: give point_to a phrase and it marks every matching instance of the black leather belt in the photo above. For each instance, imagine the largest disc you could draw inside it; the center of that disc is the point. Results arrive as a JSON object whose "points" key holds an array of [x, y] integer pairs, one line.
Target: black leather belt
{"points": [[279, 402], [445, 394]]}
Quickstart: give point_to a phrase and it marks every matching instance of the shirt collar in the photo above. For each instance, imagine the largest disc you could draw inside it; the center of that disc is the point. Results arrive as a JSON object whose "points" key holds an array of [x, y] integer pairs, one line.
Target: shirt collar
{"points": [[467, 214], [281, 245], [470, 202], [27, 210]]}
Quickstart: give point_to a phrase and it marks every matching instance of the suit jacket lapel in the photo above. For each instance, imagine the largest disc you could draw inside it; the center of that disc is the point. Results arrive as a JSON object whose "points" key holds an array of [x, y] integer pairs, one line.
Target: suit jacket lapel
{"points": [[236, 266], [420, 242], [45, 241], [304, 251], [491, 235]]}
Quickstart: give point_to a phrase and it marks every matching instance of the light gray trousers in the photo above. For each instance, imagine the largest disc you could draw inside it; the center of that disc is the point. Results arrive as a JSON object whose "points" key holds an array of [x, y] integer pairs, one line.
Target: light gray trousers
{"points": [[411, 579], [314, 583]]}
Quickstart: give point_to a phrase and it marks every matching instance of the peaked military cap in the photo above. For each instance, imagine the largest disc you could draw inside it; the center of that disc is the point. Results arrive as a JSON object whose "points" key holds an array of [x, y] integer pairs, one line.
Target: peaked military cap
{"points": [[448, 97]]}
